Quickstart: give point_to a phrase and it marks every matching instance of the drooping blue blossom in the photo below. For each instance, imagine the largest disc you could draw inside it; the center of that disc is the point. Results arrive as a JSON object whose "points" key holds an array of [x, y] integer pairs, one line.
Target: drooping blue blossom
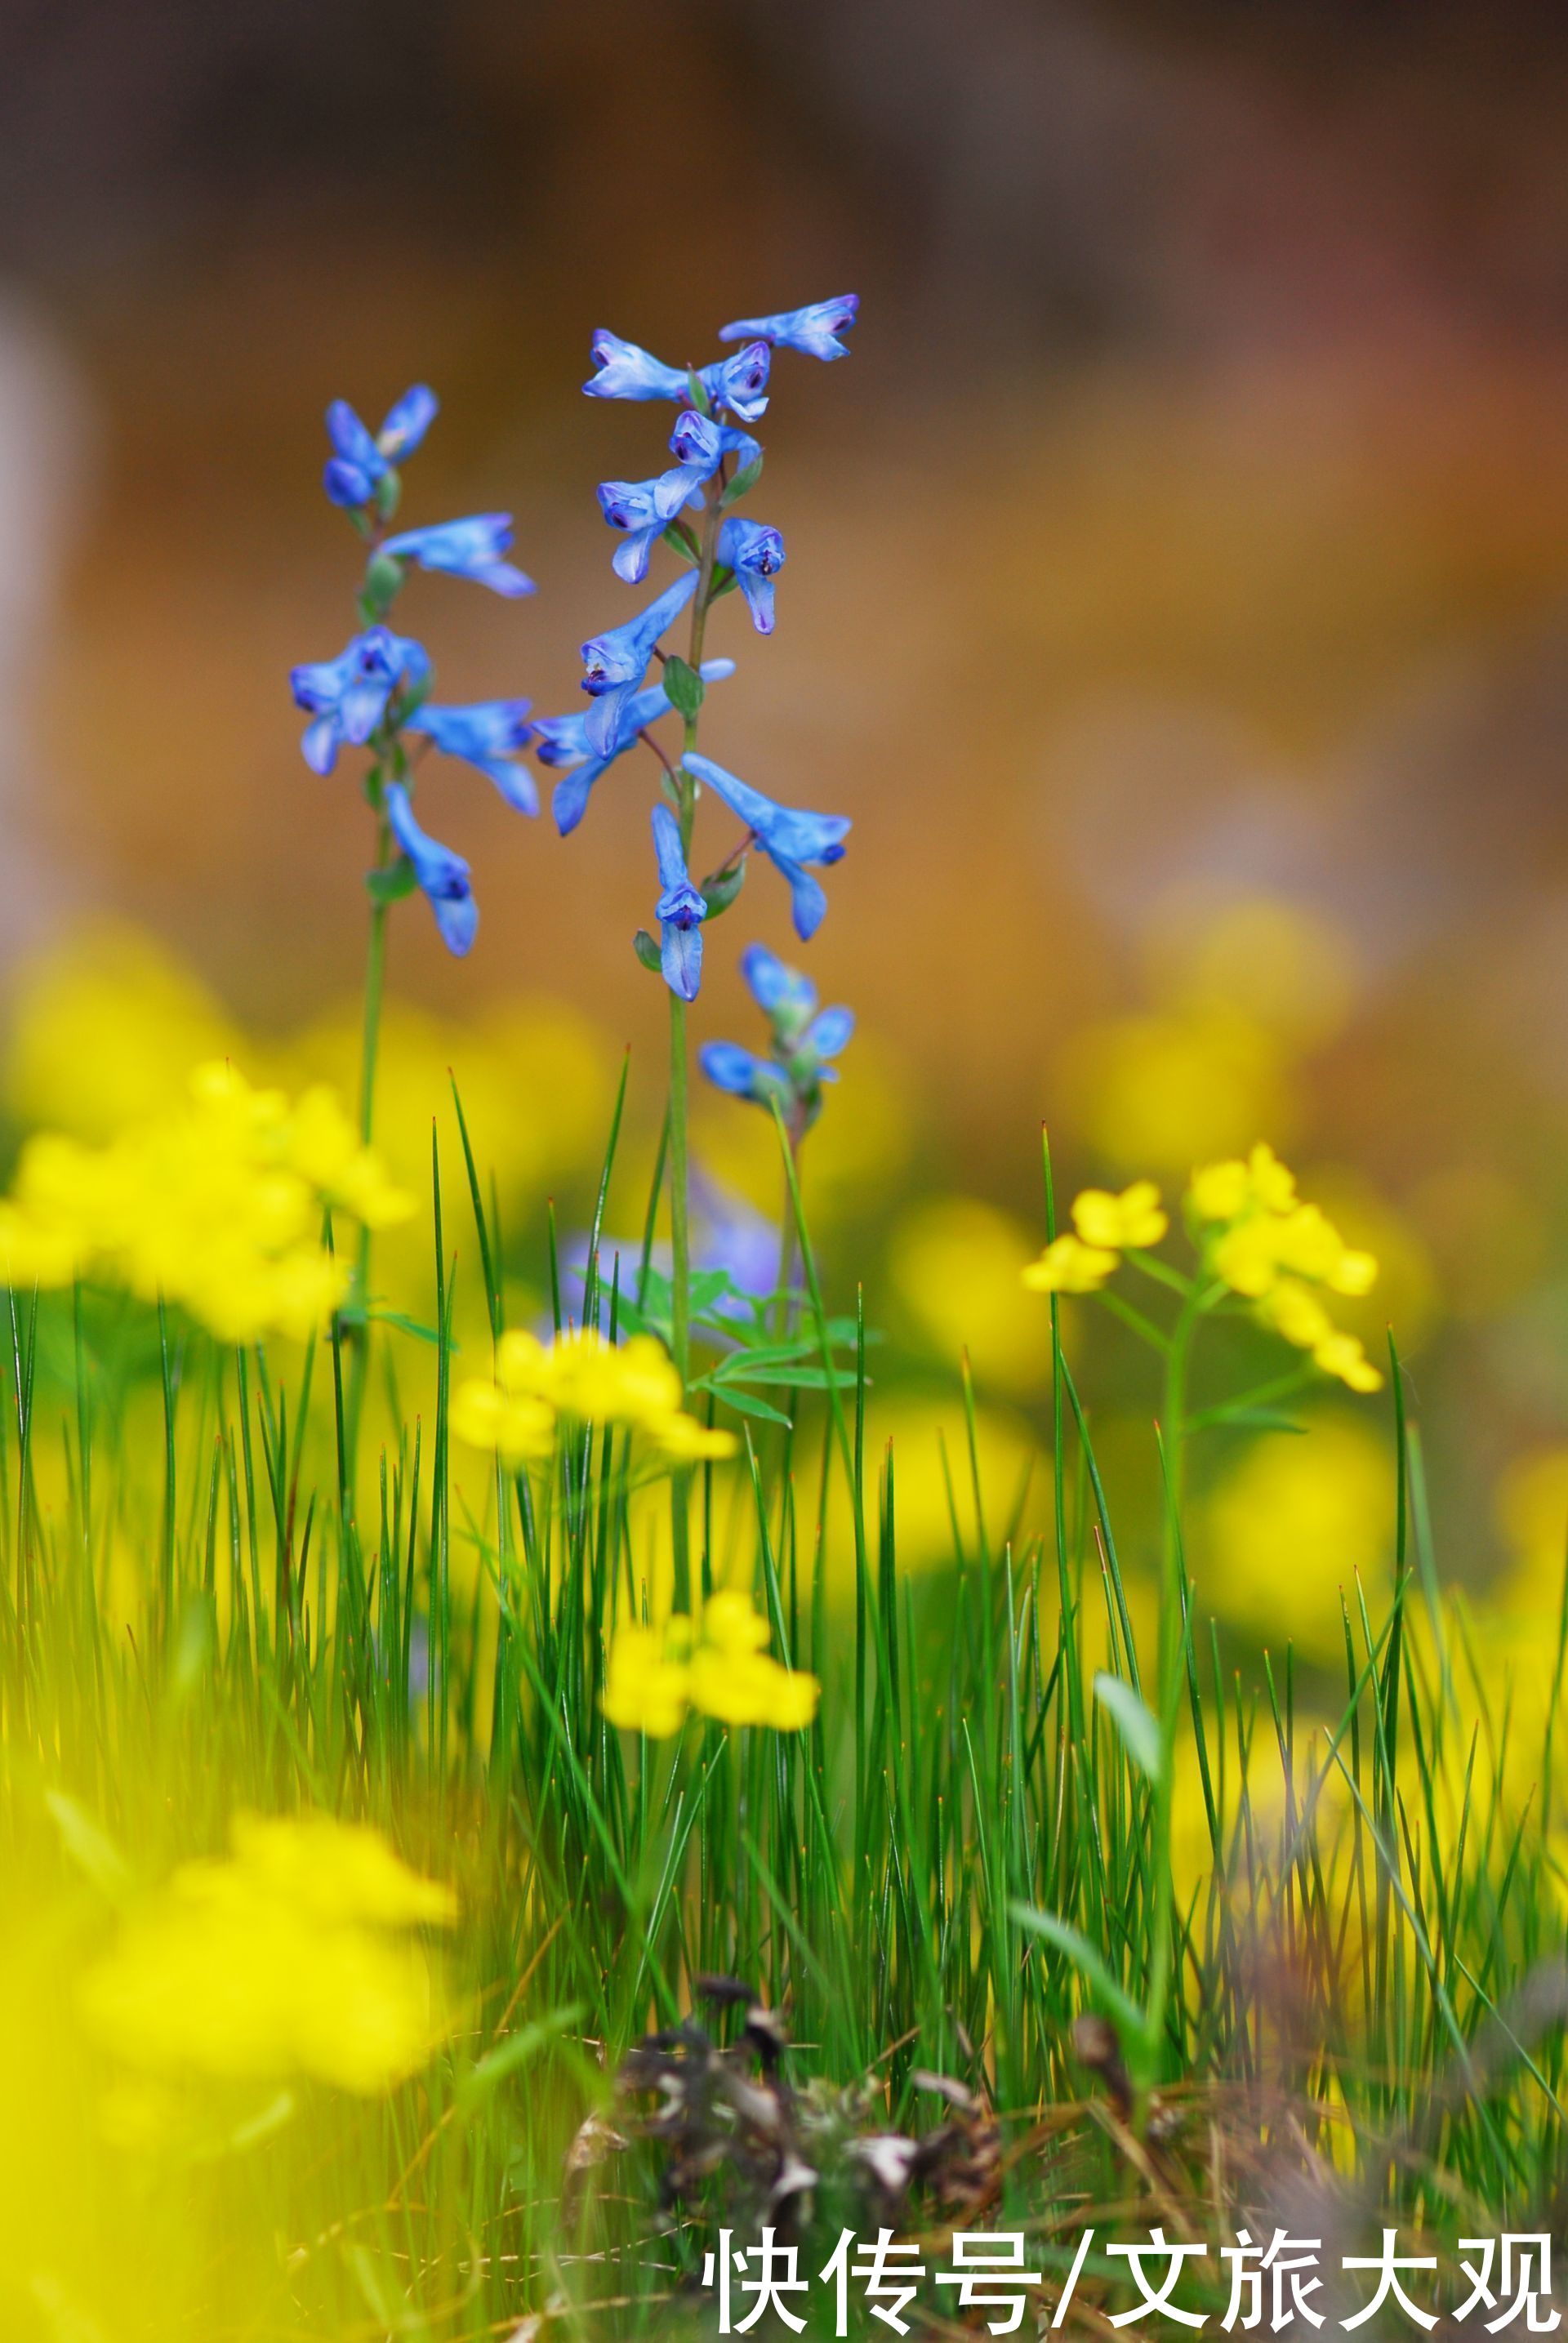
{"points": [[756, 554], [442, 875], [347, 697], [698, 441], [360, 462], [644, 509], [739, 382], [562, 741], [487, 733], [814, 329], [681, 910], [615, 662], [625, 371], [474, 547], [789, 836]]}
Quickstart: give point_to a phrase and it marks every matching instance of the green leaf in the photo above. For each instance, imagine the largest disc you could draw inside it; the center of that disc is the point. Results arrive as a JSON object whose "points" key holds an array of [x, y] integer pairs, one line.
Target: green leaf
{"points": [[746, 1404], [724, 582], [695, 391], [383, 579], [1082, 1955], [720, 891], [390, 885], [743, 483], [647, 950], [1139, 1730], [679, 539], [683, 687]]}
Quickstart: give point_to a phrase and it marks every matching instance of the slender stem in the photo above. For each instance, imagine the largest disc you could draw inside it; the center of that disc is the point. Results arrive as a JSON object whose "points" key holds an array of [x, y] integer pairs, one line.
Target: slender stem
{"points": [[679, 1220], [374, 979], [369, 1051]]}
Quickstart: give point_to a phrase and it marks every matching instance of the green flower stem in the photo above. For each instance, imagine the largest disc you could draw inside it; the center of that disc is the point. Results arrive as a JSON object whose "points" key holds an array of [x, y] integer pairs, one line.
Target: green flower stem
{"points": [[679, 1220], [369, 1052]]}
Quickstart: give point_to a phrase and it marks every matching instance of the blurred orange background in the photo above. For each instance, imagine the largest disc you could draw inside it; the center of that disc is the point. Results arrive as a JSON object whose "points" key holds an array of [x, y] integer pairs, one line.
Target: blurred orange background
{"points": [[1175, 595]]}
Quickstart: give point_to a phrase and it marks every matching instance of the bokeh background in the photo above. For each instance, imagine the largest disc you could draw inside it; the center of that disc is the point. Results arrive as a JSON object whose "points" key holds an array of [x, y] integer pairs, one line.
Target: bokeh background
{"points": [[1175, 599]]}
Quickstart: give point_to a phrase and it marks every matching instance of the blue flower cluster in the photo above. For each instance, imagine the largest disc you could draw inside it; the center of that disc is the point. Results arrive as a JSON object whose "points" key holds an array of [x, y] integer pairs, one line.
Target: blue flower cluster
{"points": [[804, 1038], [375, 693], [687, 506]]}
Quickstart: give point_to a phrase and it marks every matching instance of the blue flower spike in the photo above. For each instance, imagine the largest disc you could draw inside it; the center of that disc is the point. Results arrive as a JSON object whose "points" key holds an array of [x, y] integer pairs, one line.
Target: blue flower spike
{"points": [[347, 697], [790, 836], [442, 875], [360, 461], [488, 734], [756, 554], [474, 547], [615, 662], [814, 329], [681, 910], [562, 741]]}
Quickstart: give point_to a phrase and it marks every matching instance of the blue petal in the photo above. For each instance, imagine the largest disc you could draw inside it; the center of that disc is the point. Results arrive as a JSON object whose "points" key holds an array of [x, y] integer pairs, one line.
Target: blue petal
{"points": [[352, 441], [730, 1068], [681, 956], [667, 848], [408, 420], [814, 329], [569, 802], [625, 371], [808, 903], [828, 1033], [758, 593], [458, 917], [774, 984], [319, 744], [345, 484]]}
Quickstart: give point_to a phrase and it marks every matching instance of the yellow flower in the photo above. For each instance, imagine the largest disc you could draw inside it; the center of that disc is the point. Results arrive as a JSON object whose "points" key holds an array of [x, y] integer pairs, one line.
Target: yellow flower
{"points": [[1224, 1192], [1342, 1355], [654, 1677], [644, 1690], [521, 1428], [1293, 1521], [582, 1376], [1114, 1222], [291, 1956], [686, 1442], [1068, 1265], [954, 1263]]}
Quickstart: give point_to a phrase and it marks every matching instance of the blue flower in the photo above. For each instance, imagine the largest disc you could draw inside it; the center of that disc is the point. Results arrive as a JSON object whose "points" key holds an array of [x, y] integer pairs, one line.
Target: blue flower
{"points": [[359, 463], [743, 1073], [615, 662], [790, 836], [814, 329], [562, 740], [698, 440], [465, 549], [680, 908], [783, 994], [487, 733], [443, 875], [627, 372], [645, 509], [739, 382], [756, 554], [348, 695]]}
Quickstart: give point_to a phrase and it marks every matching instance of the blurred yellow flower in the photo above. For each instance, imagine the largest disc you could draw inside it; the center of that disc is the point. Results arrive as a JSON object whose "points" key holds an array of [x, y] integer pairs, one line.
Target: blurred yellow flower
{"points": [[104, 1029], [291, 1956], [954, 1263], [216, 1206], [1294, 1519], [853, 1159], [1068, 1265], [1275, 961], [1173, 1088], [1115, 1223], [1224, 1192], [717, 1665], [582, 1376]]}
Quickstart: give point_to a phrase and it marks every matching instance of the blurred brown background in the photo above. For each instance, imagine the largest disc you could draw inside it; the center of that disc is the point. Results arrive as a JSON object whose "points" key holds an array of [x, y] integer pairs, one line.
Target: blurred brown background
{"points": [[1179, 562]]}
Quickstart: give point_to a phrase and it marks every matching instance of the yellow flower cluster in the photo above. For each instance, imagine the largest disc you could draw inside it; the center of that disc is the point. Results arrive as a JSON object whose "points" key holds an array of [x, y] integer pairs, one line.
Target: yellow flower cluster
{"points": [[1107, 1226], [292, 1957], [1263, 1242], [718, 1665], [587, 1378], [217, 1207]]}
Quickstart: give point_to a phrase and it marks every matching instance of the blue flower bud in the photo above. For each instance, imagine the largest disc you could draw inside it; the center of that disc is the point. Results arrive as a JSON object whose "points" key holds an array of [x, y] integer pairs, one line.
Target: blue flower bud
{"points": [[756, 554], [465, 549], [814, 329], [359, 463], [743, 1073], [443, 875]]}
